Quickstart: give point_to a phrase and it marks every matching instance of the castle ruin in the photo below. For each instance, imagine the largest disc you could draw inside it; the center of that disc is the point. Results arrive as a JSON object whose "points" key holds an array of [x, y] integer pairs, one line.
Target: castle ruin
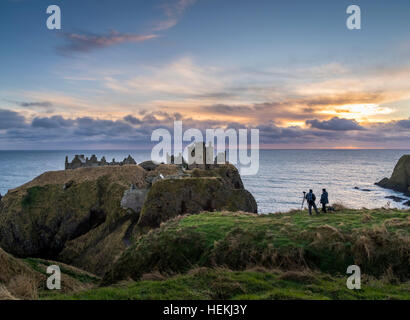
{"points": [[80, 161], [198, 154]]}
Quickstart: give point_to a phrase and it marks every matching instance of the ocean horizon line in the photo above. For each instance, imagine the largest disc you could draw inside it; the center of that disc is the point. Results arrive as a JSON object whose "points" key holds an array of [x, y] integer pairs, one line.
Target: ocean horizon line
{"points": [[149, 149]]}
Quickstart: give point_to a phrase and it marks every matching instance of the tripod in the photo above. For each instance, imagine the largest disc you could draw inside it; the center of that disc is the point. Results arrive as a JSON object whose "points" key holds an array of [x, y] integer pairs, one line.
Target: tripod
{"points": [[303, 201]]}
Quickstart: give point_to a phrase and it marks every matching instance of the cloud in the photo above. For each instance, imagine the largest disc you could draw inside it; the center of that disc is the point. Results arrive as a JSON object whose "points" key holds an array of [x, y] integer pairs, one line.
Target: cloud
{"points": [[173, 10], [131, 119], [44, 104], [86, 42], [51, 122], [134, 130], [88, 127], [335, 124], [229, 110], [10, 119], [404, 124], [319, 92]]}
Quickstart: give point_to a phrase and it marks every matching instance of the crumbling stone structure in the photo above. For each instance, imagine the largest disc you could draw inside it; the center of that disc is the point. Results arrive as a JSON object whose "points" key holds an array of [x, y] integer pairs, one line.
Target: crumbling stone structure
{"points": [[199, 155], [80, 161]]}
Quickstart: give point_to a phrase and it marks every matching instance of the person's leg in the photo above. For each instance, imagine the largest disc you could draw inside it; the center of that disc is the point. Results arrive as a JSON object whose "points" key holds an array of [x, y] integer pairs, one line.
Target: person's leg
{"points": [[324, 207], [310, 209], [314, 206]]}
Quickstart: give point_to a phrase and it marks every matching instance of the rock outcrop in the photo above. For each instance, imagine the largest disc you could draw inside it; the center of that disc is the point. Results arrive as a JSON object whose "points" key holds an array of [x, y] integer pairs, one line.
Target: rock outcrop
{"points": [[148, 165], [400, 179], [88, 216], [169, 198]]}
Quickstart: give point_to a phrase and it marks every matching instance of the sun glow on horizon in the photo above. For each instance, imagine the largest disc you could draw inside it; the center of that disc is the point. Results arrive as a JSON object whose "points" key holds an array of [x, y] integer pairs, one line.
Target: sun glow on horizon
{"points": [[358, 112]]}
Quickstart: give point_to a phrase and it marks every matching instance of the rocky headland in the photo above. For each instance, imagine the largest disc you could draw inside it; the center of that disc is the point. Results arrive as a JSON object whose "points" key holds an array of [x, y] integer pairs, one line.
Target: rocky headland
{"points": [[87, 217], [154, 231], [400, 178]]}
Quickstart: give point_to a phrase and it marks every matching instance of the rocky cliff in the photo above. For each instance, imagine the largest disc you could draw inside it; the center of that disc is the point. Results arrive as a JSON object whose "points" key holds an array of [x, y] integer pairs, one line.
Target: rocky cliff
{"points": [[88, 216], [400, 179]]}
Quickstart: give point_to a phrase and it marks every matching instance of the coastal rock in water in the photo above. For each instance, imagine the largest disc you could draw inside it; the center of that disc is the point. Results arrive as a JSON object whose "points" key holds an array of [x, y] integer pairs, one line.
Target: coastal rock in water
{"points": [[400, 179], [395, 199], [366, 190]]}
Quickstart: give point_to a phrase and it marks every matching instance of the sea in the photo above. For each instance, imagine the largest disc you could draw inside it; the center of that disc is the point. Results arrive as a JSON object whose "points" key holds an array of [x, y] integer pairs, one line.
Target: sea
{"points": [[347, 175]]}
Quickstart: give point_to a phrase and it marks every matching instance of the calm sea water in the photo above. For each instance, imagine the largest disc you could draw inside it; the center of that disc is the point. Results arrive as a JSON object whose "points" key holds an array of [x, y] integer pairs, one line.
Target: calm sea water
{"points": [[283, 174]]}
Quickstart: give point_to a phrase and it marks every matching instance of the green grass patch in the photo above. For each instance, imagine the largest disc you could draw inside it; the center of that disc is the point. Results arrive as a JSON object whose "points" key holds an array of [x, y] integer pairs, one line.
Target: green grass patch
{"points": [[376, 240], [41, 265], [205, 283], [31, 196]]}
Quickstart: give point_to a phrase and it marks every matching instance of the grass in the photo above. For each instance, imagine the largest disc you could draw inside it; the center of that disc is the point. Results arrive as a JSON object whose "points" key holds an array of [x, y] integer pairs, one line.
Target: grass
{"points": [[31, 196], [40, 265], [377, 240], [206, 283], [234, 255]]}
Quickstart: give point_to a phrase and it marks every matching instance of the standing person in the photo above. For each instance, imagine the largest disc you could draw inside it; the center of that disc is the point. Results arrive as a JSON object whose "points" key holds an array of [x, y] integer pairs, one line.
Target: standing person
{"points": [[311, 198], [324, 200]]}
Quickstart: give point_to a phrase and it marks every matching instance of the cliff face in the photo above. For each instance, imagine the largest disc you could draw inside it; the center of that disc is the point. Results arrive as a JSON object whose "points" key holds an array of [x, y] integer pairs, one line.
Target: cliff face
{"points": [[400, 179], [87, 217], [204, 190], [70, 216]]}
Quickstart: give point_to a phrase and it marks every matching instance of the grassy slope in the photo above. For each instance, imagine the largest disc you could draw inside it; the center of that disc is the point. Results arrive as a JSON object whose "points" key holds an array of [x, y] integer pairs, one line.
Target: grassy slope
{"points": [[24, 278], [206, 283], [377, 240]]}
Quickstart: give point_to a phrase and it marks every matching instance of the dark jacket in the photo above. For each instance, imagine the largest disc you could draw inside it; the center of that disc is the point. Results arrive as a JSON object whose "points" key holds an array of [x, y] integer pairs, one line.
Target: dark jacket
{"points": [[310, 197], [324, 198]]}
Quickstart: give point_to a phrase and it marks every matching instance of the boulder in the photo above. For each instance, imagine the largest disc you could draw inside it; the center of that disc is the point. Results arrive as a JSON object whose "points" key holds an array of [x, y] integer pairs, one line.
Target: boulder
{"points": [[148, 165], [400, 179]]}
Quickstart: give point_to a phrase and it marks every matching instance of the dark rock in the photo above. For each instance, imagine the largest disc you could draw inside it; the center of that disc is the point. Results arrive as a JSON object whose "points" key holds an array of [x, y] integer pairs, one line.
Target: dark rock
{"points": [[148, 165], [395, 199], [400, 179], [68, 184], [366, 190]]}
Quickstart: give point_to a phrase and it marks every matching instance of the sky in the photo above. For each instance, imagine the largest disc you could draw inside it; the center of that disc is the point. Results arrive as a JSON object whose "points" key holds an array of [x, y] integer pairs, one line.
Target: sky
{"points": [[118, 69]]}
